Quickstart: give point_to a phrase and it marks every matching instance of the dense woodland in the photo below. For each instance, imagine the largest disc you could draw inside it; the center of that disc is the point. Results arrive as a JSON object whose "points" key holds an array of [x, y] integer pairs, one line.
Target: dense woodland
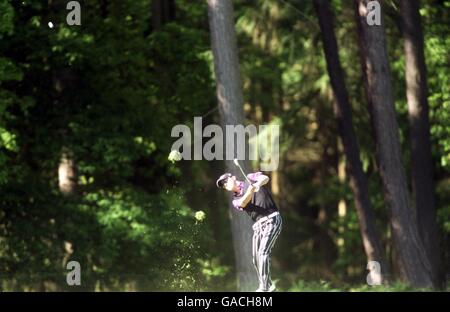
{"points": [[86, 114]]}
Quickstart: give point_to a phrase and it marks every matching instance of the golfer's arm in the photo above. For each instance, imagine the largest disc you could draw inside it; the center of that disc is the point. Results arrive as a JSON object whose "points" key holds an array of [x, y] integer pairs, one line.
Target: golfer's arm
{"points": [[260, 181], [246, 199]]}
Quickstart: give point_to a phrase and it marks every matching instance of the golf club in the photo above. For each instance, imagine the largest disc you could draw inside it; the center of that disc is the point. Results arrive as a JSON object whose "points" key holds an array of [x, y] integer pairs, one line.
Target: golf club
{"points": [[236, 162]]}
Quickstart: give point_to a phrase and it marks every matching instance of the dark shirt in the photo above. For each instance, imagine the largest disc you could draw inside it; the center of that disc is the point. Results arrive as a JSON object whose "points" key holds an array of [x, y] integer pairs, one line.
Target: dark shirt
{"points": [[262, 203]]}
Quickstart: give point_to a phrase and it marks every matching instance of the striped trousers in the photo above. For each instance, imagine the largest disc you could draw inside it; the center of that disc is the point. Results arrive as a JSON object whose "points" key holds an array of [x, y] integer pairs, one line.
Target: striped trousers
{"points": [[265, 234]]}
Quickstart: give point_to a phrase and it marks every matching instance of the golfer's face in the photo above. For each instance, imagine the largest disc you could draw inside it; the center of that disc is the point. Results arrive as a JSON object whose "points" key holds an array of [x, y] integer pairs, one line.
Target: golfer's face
{"points": [[230, 183]]}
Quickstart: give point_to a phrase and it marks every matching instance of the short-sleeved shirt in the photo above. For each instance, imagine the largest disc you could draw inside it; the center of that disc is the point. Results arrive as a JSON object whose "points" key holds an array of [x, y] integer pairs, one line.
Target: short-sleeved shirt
{"points": [[262, 203]]}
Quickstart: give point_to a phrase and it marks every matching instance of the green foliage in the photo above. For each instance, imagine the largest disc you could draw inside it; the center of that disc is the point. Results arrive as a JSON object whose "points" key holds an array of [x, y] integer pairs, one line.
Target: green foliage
{"points": [[107, 93], [128, 239], [154, 238], [6, 18], [439, 97]]}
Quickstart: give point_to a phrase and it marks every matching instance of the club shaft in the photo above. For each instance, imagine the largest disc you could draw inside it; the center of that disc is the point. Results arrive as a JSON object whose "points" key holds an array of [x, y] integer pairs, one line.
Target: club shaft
{"points": [[243, 173]]}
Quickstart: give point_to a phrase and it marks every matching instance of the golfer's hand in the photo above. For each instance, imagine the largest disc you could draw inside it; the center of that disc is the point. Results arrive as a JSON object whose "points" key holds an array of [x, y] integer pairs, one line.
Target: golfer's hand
{"points": [[253, 188]]}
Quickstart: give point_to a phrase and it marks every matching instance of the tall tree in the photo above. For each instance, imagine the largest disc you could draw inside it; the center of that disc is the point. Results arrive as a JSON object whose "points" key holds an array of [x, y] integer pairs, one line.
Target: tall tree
{"points": [[67, 173], [342, 110], [103, 8], [230, 101], [412, 259], [421, 159], [163, 11]]}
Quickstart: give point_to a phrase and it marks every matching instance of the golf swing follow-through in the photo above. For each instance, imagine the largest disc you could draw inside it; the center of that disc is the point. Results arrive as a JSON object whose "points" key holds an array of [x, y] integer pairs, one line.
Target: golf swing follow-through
{"points": [[255, 199]]}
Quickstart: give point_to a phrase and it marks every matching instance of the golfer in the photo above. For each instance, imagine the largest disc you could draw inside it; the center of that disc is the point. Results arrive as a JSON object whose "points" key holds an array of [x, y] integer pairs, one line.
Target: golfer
{"points": [[261, 207]]}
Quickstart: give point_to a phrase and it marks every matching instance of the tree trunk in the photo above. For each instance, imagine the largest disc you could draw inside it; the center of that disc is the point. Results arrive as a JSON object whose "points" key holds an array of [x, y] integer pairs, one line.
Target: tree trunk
{"points": [[67, 174], [103, 8], [163, 11], [67, 171], [342, 110], [412, 258], [230, 101], [421, 160]]}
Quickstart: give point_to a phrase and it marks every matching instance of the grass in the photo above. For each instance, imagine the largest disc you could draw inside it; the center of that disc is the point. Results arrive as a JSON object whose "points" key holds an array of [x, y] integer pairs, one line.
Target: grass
{"points": [[324, 286]]}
